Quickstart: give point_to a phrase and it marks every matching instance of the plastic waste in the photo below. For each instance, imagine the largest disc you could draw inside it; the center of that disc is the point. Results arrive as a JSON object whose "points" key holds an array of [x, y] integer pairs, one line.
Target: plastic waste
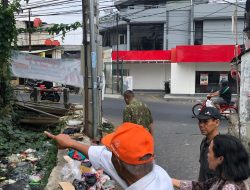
{"points": [[71, 170], [209, 103]]}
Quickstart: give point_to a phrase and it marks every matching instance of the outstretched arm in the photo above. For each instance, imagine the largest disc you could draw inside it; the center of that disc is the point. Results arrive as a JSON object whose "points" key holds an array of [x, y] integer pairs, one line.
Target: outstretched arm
{"points": [[217, 93], [64, 141]]}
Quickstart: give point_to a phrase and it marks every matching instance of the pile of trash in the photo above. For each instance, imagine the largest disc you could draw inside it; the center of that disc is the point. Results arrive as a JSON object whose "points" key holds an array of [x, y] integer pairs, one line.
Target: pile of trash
{"points": [[79, 174], [18, 171]]}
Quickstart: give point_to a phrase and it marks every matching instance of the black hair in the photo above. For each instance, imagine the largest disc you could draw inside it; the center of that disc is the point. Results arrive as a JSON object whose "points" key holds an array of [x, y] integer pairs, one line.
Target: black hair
{"points": [[235, 166], [128, 93], [224, 82]]}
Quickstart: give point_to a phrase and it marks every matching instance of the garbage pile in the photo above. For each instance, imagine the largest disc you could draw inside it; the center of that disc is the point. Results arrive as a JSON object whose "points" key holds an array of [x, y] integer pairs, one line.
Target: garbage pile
{"points": [[19, 171], [79, 174]]}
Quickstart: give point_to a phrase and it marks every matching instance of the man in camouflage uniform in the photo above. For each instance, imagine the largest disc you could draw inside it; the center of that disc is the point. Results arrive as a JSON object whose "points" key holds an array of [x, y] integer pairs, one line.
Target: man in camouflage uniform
{"points": [[137, 112]]}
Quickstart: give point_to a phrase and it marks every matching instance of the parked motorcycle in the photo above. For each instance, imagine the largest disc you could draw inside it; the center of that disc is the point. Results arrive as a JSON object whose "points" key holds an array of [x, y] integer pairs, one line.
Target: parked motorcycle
{"points": [[51, 94]]}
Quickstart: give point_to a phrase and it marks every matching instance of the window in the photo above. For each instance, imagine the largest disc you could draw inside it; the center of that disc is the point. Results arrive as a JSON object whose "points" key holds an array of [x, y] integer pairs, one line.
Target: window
{"points": [[122, 39], [213, 84], [146, 37], [198, 35]]}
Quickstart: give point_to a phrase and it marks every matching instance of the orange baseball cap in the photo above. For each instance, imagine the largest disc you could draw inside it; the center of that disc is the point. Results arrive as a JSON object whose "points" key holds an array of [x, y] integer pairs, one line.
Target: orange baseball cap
{"points": [[130, 143]]}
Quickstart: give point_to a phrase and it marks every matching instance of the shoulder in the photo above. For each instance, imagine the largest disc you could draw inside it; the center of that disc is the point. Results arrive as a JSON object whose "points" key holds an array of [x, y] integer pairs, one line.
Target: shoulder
{"points": [[230, 186]]}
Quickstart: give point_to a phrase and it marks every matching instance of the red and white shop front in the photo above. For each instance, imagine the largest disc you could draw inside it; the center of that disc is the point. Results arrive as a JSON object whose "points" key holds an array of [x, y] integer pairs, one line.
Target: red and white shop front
{"points": [[191, 69]]}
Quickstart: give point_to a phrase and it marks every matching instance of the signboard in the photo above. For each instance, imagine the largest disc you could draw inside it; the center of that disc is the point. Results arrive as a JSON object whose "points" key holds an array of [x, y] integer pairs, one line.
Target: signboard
{"points": [[204, 79], [64, 71], [223, 77]]}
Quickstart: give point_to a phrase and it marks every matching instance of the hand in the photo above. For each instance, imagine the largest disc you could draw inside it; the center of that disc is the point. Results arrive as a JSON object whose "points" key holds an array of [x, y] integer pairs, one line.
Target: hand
{"points": [[63, 141]]}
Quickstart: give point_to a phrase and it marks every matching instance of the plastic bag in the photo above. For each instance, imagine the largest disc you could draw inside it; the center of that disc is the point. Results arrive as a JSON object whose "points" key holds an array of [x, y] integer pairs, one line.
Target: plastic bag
{"points": [[71, 171], [209, 103]]}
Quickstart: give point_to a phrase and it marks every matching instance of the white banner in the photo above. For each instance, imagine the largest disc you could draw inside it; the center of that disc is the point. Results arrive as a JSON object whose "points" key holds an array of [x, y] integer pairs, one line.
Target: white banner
{"points": [[64, 71]]}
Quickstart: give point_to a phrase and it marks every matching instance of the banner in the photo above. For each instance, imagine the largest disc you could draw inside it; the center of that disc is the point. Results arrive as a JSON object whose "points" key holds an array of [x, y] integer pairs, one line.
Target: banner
{"points": [[64, 71]]}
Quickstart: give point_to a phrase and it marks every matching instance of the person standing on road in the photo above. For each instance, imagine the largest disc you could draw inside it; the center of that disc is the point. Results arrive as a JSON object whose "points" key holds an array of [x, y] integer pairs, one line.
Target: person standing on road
{"points": [[137, 112], [128, 157], [209, 122]]}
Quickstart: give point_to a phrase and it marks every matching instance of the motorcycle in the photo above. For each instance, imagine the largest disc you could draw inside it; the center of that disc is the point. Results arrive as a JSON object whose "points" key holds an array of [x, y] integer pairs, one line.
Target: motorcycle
{"points": [[226, 109], [51, 94]]}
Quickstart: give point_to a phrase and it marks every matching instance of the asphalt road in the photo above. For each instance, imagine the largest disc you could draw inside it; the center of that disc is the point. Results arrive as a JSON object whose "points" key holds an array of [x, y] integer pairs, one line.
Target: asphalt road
{"points": [[177, 136]]}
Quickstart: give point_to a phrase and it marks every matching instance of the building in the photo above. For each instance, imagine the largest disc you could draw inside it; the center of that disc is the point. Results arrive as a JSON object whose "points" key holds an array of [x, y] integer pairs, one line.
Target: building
{"points": [[163, 29], [42, 43]]}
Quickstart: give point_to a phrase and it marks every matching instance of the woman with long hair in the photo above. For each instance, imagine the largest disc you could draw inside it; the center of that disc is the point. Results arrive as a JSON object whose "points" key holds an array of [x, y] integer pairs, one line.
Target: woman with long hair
{"points": [[229, 158]]}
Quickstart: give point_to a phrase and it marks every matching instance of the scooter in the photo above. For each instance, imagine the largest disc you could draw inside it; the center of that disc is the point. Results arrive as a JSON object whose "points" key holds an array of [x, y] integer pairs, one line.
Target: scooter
{"points": [[46, 94]]}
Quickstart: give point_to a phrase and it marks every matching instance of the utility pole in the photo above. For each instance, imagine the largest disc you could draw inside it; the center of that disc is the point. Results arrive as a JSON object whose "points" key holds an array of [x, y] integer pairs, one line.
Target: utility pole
{"points": [[93, 67], [29, 26], [84, 58], [237, 61], [191, 42], [117, 50]]}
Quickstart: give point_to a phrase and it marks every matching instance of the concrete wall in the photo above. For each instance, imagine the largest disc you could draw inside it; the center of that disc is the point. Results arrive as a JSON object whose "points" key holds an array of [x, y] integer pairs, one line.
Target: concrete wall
{"points": [[183, 75], [37, 38], [220, 31], [182, 78], [149, 76], [212, 67]]}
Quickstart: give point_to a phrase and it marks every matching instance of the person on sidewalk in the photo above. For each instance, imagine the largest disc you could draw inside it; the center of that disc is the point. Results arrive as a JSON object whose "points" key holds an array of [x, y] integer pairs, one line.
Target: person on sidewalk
{"points": [[229, 159], [128, 157], [209, 122], [137, 112], [224, 94]]}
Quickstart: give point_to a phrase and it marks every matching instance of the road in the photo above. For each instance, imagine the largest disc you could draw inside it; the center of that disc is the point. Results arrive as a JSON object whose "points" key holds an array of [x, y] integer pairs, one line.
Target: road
{"points": [[177, 136]]}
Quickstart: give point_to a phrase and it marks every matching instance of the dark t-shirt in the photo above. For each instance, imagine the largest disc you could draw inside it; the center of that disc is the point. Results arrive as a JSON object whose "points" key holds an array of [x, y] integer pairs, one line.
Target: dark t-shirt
{"points": [[205, 173], [226, 94]]}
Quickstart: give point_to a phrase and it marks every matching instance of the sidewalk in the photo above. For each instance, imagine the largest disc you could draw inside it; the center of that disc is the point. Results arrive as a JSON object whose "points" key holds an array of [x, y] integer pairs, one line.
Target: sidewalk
{"points": [[190, 98]]}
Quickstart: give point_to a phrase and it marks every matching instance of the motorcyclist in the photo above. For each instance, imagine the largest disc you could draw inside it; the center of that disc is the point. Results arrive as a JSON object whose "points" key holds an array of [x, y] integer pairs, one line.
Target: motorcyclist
{"points": [[224, 94]]}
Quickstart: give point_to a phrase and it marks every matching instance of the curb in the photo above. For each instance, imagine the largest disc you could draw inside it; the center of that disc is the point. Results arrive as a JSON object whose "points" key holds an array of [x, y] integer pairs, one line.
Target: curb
{"points": [[116, 96]]}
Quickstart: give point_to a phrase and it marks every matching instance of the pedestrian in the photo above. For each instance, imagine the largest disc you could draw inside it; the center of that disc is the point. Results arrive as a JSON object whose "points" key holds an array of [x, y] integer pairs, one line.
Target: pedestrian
{"points": [[224, 94], [229, 159], [209, 122], [137, 112], [127, 156]]}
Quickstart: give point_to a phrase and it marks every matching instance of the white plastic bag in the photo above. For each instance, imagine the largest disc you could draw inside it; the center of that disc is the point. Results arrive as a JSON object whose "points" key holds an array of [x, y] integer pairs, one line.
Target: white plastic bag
{"points": [[71, 171], [209, 103]]}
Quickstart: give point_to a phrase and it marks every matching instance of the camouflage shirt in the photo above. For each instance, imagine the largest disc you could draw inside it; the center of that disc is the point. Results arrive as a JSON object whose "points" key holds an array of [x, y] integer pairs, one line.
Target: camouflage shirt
{"points": [[138, 113]]}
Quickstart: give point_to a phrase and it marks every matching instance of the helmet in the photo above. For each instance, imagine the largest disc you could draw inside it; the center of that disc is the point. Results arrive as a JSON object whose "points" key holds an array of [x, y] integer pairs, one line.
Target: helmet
{"points": [[224, 82]]}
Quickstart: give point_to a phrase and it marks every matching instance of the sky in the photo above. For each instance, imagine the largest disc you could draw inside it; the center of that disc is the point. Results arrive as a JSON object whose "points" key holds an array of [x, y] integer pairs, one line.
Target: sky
{"points": [[61, 11]]}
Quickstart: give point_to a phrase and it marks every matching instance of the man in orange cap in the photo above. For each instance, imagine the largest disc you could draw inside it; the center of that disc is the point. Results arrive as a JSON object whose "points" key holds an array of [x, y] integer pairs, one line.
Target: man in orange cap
{"points": [[128, 157]]}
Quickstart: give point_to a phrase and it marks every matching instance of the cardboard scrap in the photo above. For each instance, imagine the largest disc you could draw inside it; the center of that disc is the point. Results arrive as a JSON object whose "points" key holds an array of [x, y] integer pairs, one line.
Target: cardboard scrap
{"points": [[66, 186]]}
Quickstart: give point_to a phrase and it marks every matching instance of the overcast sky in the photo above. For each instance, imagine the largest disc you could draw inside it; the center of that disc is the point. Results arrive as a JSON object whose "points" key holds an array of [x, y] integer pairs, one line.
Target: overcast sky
{"points": [[69, 12]]}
